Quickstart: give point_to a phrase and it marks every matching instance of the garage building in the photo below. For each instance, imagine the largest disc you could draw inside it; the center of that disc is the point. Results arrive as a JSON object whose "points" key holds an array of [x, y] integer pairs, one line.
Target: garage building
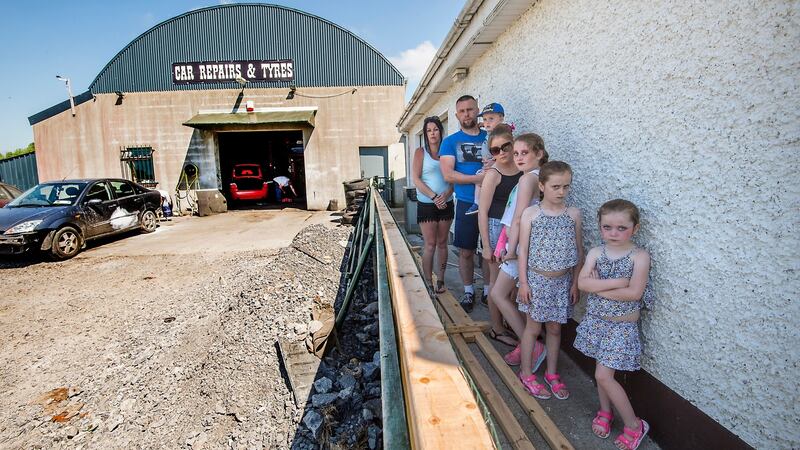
{"points": [[300, 96]]}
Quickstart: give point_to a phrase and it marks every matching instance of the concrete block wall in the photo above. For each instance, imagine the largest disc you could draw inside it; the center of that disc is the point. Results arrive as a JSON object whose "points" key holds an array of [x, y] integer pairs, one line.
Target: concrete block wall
{"points": [[88, 144], [690, 110]]}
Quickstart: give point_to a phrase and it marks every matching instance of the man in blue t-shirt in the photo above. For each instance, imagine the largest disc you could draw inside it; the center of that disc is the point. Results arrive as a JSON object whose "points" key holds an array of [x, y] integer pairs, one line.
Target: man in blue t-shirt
{"points": [[460, 158]]}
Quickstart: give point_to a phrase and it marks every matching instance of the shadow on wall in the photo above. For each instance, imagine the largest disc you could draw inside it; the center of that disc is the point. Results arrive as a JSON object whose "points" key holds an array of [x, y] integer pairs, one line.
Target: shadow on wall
{"points": [[201, 152], [398, 192]]}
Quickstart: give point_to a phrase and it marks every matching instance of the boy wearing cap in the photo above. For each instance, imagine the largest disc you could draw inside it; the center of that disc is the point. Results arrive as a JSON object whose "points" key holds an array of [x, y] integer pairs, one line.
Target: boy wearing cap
{"points": [[492, 115]]}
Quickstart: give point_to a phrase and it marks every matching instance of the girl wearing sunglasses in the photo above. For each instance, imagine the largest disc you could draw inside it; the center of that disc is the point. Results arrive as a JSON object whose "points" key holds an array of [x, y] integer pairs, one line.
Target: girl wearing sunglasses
{"points": [[496, 188]]}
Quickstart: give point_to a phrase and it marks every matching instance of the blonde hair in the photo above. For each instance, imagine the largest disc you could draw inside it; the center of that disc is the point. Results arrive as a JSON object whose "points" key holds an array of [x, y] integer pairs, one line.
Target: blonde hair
{"points": [[501, 130]]}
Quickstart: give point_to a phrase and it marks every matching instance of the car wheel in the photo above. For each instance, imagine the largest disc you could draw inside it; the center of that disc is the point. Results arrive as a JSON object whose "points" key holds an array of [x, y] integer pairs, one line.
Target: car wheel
{"points": [[67, 242], [148, 221]]}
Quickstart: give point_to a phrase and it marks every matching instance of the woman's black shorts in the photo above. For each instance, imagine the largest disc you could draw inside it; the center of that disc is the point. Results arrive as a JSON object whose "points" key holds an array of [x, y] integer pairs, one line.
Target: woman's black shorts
{"points": [[428, 212]]}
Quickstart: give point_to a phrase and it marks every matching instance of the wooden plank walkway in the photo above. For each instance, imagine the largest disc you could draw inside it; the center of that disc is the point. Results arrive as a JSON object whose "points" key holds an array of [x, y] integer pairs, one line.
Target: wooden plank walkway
{"points": [[463, 330], [441, 409], [454, 314]]}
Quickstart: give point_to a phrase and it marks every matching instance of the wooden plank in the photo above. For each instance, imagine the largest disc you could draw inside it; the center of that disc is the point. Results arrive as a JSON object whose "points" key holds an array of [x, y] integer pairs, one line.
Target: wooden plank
{"points": [[502, 414], [475, 327], [453, 308], [441, 409], [539, 417], [301, 367], [448, 302], [456, 314]]}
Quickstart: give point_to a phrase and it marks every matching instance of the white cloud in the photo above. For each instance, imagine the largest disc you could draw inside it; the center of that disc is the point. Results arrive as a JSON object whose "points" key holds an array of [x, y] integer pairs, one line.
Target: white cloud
{"points": [[413, 62]]}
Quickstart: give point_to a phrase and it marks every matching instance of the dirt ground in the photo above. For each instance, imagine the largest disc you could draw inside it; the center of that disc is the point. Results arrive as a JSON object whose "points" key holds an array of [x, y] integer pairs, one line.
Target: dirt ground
{"points": [[163, 340]]}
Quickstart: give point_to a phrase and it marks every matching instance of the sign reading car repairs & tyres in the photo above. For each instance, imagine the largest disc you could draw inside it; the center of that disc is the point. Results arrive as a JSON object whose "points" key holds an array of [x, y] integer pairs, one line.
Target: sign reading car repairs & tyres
{"points": [[217, 71]]}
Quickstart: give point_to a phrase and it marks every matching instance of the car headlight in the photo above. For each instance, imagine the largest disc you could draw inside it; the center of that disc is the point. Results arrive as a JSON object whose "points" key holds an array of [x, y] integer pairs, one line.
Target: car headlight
{"points": [[24, 227]]}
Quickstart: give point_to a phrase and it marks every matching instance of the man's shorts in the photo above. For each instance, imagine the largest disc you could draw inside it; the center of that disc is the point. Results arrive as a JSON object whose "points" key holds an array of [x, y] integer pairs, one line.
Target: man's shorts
{"points": [[466, 231]]}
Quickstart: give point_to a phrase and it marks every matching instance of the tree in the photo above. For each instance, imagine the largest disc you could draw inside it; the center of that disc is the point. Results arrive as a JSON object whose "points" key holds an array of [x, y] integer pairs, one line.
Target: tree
{"points": [[20, 151]]}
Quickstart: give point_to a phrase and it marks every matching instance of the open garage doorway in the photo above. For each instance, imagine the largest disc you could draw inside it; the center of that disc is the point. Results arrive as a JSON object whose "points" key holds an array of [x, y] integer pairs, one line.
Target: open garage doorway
{"points": [[275, 154]]}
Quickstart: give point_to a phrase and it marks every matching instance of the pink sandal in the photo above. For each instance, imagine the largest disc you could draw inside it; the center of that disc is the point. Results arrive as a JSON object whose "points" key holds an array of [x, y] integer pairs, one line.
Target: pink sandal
{"points": [[604, 424], [638, 436], [514, 357], [535, 389], [554, 381]]}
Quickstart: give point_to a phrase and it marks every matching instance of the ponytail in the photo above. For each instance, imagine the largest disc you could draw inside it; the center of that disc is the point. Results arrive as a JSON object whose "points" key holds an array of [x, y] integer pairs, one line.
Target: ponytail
{"points": [[544, 159]]}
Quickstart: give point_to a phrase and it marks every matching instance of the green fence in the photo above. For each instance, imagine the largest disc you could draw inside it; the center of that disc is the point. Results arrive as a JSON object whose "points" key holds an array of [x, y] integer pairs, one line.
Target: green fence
{"points": [[20, 171]]}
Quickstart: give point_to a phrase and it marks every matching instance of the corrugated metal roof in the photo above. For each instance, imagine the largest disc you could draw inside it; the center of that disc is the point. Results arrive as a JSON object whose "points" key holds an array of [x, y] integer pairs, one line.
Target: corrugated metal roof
{"points": [[324, 53], [59, 108]]}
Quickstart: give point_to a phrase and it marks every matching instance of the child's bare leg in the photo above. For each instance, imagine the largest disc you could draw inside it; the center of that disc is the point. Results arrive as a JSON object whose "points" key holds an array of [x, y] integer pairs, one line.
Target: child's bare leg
{"points": [[506, 308], [528, 338], [553, 343], [605, 406], [616, 394], [485, 271], [605, 401]]}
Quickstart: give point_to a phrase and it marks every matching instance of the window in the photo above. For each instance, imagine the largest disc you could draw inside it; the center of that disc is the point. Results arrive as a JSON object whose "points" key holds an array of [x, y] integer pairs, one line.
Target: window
{"points": [[137, 165], [122, 189], [99, 191]]}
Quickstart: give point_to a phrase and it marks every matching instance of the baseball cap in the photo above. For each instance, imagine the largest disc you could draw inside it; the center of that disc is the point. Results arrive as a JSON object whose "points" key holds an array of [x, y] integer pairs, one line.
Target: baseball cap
{"points": [[492, 108]]}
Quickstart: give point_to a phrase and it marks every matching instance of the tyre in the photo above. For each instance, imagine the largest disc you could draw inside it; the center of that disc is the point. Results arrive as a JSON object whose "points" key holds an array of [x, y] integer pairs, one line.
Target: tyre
{"points": [[67, 242], [148, 221], [353, 185], [350, 195], [348, 218]]}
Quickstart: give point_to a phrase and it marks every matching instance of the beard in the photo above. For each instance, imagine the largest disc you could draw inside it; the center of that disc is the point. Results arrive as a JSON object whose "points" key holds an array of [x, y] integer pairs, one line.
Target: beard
{"points": [[469, 123]]}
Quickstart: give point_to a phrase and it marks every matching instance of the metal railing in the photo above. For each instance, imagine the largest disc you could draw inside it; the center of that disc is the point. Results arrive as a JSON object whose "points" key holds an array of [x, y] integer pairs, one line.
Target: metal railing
{"points": [[367, 235], [399, 422]]}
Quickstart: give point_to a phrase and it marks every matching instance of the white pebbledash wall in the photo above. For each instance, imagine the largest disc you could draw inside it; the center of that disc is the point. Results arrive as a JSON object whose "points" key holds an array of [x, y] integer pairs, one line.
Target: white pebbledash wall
{"points": [[691, 110]]}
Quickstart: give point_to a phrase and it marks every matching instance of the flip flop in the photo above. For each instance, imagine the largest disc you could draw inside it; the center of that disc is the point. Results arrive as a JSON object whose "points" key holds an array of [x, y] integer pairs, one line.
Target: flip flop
{"points": [[503, 337], [440, 287]]}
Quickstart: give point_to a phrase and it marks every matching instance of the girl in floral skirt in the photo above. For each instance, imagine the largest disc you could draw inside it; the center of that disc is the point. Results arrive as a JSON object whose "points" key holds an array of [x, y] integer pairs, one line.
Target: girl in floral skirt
{"points": [[616, 277]]}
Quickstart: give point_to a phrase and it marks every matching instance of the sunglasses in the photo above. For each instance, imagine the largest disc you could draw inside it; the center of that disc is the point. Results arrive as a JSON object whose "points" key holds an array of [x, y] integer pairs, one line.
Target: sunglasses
{"points": [[503, 148]]}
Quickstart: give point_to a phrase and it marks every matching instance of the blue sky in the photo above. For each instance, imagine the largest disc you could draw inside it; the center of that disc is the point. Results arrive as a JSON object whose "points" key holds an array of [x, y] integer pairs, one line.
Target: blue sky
{"points": [[42, 39]]}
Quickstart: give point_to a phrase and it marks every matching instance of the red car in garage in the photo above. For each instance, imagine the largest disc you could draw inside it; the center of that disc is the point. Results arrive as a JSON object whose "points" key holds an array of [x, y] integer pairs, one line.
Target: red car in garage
{"points": [[248, 183]]}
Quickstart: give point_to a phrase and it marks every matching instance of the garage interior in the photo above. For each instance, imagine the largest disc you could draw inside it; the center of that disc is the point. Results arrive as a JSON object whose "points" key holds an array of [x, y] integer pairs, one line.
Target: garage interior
{"points": [[277, 152]]}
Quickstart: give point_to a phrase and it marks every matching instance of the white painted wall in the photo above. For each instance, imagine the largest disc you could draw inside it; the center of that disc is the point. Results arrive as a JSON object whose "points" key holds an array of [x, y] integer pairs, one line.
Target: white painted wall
{"points": [[692, 111]]}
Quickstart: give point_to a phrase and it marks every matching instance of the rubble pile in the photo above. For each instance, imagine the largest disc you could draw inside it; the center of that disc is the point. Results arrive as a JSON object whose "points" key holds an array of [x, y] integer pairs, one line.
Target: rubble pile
{"points": [[206, 373]]}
